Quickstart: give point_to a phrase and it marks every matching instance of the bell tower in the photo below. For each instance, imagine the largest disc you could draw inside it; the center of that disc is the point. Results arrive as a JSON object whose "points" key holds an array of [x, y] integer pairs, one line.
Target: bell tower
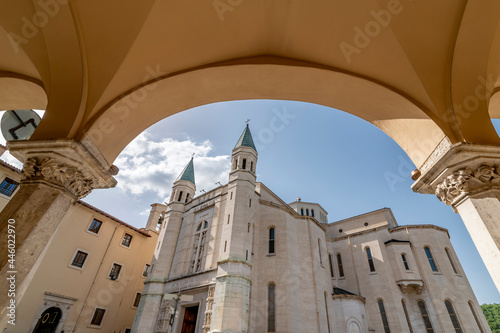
{"points": [[234, 266], [149, 306]]}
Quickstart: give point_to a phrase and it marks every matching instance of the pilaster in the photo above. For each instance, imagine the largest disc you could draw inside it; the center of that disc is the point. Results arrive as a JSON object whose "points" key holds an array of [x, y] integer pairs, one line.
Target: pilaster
{"points": [[467, 178]]}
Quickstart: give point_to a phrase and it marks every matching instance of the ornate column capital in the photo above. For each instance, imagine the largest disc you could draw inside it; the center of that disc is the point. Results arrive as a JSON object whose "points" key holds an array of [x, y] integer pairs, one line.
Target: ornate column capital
{"points": [[459, 171], [63, 163]]}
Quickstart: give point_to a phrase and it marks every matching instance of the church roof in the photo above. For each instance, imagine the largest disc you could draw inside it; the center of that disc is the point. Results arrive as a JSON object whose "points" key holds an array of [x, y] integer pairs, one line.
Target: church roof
{"points": [[339, 291], [188, 173], [246, 139]]}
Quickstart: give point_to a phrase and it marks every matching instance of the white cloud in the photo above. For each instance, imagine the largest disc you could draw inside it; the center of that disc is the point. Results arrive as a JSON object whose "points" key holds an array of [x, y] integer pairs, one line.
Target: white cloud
{"points": [[148, 166]]}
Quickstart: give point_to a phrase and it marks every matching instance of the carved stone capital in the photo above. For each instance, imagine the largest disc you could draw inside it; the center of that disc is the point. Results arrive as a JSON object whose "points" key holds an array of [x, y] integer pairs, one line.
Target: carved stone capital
{"points": [[461, 170], [467, 180], [65, 164]]}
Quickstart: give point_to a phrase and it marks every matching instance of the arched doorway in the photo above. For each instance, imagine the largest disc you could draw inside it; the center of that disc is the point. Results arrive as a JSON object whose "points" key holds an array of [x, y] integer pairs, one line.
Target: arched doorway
{"points": [[48, 321]]}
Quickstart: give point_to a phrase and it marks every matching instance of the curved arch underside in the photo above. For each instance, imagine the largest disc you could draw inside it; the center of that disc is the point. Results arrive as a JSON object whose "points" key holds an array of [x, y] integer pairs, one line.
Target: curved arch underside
{"points": [[420, 71]]}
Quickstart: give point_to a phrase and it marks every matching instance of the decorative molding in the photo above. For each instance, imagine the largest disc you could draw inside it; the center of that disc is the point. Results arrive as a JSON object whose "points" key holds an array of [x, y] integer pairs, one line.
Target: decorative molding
{"points": [[465, 180], [436, 155], [60, 174], [207, 321]]}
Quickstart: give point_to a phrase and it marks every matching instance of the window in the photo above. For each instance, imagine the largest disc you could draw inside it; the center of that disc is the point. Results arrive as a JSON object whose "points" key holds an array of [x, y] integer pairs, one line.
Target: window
{"points": [[339, 264], [244, 165], [97, 317], [251, 166], [231, 196], [246, 255], [451, 261], [312, 212], [271, 309], [95, 226], [383, 316], [127, 238], [225, 246], [250, 203], [453, 316], [180, 196], [319, 251], [302, 211], [307, 211], [115, 271], [431, 260], [79, 259], [405, 262], [249, 225], [271, 240], [475, 317], [425, 317], [403, 303], [187, 198], [198, 255], [128, 330], [137, 299], [8, 186], [228, 218], [370, 259], [146, 270], [330, 259]]}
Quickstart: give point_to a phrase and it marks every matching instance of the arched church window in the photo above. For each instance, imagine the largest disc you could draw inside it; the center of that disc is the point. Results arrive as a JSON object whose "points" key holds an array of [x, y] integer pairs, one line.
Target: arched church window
{"points": [[475, 317], [319, 251], [403, 303], [405, 262], [200, 237], [383, 315], [451, 260], [431, 259], [271, 308], [244, 164], [339, 264], [370, 259], [453, 316], [425, 317], [271, 241]]}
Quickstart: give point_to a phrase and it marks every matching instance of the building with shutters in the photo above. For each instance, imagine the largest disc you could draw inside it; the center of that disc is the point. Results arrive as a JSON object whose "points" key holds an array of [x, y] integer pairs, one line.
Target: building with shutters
{"points": [[89, 276]]}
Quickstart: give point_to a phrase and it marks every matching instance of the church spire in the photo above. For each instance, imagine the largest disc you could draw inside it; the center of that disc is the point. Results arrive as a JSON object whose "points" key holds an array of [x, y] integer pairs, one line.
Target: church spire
{"points": [[246, 139], [188, 173]]}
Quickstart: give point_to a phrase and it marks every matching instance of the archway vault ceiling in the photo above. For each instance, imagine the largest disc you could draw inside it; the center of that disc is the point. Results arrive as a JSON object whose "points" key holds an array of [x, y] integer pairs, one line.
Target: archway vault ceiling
{"points": [[419, 70]]}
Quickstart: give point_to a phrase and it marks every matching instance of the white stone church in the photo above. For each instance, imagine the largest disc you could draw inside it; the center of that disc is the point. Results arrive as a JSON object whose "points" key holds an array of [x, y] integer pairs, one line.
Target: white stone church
{"points": [[239, 259]]}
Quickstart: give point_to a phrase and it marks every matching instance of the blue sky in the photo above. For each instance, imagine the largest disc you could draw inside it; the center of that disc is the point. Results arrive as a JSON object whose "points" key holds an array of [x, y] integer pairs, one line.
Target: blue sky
{"points": [[321, 154]]}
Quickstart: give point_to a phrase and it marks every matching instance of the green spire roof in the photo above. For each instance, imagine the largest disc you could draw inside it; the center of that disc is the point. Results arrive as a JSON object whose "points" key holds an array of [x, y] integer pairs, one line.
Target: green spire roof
{"points": [[188, 173], [246, 139]]}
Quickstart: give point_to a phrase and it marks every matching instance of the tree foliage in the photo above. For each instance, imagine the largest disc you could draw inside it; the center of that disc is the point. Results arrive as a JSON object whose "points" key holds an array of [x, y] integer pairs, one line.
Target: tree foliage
{"points": [[492, 314]]}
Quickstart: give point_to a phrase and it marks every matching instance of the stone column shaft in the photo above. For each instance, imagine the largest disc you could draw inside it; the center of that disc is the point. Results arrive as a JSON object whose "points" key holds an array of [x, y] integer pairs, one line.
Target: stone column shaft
{"points": [[55, 174], [481, 216]]}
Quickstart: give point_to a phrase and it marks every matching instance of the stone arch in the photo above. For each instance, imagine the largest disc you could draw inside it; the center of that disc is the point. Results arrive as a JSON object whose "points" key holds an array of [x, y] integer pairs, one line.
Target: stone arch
{"points": [[353, 325], [402, 118], [51, 300]]}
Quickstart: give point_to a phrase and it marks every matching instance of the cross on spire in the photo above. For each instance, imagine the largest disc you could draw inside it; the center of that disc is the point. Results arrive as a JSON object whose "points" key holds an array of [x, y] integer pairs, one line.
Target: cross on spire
{"points": [[247, 121]]}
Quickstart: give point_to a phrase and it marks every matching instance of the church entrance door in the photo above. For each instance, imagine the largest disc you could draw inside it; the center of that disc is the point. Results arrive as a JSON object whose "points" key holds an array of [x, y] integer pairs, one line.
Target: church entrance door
{"points": [[48, 321], [189, 323]]}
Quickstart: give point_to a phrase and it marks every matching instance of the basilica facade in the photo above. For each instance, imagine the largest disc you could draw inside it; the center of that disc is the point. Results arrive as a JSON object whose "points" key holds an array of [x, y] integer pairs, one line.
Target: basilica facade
{"points": [[240, 259]]}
